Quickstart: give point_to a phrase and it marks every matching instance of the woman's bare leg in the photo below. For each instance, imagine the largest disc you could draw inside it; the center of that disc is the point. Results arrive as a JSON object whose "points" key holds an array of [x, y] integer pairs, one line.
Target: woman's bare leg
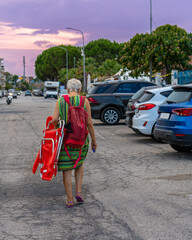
{"points": [[67, 181], [79, 178]]}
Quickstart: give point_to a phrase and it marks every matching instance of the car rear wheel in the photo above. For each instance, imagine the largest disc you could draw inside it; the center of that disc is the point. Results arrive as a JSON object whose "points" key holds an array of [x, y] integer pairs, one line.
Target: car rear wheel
{"points": [[181, 148], [110, 116], [152, 132]]}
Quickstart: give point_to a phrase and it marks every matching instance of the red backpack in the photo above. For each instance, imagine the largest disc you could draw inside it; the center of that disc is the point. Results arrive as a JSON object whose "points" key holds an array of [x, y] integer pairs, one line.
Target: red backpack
{"points": [[76, 127]]}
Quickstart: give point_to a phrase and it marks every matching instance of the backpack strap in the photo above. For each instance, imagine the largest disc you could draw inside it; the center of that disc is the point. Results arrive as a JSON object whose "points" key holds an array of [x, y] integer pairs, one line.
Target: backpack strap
{"points": [[67, 99], [75, 161], [82, 101]]}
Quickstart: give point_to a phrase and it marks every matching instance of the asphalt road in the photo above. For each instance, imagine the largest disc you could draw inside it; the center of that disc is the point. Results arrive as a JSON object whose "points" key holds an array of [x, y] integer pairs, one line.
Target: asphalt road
{"points": [[134, 187]]}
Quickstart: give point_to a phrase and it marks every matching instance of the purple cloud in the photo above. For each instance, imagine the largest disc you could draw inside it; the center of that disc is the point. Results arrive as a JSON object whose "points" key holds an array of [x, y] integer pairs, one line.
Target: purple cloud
{"points": [[46, 31], [116, 20], [42, 43]]}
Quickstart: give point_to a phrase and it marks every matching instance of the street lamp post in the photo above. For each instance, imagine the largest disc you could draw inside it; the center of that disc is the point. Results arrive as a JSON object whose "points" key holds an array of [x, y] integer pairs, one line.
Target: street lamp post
{"points": [[66, 62], [150, 33], [84, 87]]}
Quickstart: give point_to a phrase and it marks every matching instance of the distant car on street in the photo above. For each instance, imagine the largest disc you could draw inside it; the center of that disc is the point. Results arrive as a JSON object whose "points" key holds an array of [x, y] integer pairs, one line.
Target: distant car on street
{"points": [[28, 93], [63, 92], [51, 89], [36, 92], [109, 100], [4, 93], [12, 92], [1, 93]]}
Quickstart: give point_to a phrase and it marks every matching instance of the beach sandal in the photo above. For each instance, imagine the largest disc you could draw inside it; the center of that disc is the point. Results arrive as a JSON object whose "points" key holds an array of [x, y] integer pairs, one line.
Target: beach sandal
{"points": [[69, 205], [79, 197]]}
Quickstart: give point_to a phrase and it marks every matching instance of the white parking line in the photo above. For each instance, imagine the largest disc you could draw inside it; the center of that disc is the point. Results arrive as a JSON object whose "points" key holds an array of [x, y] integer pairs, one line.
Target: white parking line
{"points": [[99, 135]]}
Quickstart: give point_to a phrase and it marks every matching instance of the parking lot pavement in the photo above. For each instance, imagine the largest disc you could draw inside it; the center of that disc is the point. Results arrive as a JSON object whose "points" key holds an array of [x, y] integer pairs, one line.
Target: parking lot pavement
{"points": [[134, 187]]}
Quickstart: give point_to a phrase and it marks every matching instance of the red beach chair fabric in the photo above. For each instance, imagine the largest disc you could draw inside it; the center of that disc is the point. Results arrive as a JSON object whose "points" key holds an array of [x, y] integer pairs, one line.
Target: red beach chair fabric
{"points": [[49, 150]]}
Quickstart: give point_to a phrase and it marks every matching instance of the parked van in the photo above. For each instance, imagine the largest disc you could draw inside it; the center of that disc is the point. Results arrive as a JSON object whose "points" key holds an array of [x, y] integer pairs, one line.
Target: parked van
{"points": [[51, 89]]}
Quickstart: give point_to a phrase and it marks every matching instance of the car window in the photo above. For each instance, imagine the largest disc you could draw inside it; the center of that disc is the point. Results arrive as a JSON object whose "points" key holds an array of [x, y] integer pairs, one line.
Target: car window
{"points": [[103, 88], [138, 94], [180, 95], [146, 84], [92, 89], [166, 93], [146, 97], [131, 87]]}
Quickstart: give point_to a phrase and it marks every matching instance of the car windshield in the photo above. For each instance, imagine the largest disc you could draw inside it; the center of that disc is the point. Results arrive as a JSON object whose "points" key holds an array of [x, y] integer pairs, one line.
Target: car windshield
{"points": [[180, 95], [51, 89], [64, 91], [11, 91], [146, 97]]}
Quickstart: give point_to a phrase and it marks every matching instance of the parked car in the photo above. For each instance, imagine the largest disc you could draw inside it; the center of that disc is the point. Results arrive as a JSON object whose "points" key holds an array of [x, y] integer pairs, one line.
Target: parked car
{"points": [[109, 100], [12, 92], [36, 92], [146, 109], [130, 110], [4, 92], [174, 123], [28, 93]]}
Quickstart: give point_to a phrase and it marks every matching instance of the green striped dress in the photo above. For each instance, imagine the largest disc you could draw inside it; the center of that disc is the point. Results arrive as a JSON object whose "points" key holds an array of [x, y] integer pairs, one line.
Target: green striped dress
{"points": [[64, 162]]}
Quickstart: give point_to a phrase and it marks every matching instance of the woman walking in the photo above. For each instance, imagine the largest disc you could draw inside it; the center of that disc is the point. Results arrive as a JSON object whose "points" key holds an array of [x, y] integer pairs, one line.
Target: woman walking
{"points": [[65, 163]]}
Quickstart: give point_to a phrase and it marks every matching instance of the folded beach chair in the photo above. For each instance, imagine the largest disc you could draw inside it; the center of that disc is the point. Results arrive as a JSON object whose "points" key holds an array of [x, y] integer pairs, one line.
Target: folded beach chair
{"points": [[49, 151]]}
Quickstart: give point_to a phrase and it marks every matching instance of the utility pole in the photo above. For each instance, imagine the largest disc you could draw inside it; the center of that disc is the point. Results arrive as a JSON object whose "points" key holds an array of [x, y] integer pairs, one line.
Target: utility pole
{"points": [[23, 68], [151, 33]]}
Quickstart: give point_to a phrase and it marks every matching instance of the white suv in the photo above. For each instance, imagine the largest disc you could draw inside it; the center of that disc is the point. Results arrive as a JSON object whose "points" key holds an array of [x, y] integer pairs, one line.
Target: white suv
{"points": [[146, 109]]}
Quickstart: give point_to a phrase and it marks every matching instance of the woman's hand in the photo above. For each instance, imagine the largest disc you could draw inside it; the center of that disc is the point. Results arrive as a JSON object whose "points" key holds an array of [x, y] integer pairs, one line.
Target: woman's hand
{"points": [[55, 117], [94, 145]]}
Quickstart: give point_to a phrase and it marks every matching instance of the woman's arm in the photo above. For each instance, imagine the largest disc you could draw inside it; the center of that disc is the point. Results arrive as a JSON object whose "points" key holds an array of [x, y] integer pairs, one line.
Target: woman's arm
{"points": [[90, 126], [56, 115]]}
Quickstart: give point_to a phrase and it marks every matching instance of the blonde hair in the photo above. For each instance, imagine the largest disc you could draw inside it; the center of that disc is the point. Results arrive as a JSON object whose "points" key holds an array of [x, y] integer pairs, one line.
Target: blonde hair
{"points": [[74, 85]]}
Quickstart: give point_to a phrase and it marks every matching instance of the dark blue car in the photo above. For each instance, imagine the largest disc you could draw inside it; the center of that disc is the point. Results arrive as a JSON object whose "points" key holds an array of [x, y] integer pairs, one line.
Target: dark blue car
{"points": [[174, 124]]}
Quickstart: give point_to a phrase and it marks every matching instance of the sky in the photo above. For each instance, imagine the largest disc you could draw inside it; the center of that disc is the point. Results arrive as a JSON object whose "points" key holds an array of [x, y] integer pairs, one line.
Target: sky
{"points": [[28, 27]]}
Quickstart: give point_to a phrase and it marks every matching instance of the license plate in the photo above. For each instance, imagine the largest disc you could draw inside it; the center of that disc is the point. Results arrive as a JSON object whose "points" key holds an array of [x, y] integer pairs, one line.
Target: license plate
{"points": [[164, 115]]}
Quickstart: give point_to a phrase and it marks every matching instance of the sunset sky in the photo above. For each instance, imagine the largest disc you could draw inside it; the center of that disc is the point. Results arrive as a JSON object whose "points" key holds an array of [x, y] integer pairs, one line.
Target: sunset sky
{"points": [[27, 27]]}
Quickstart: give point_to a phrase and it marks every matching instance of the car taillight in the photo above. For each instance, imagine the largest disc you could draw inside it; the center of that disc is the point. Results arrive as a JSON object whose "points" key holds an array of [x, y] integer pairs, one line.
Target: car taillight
{"points": [[133, 107], [146, 106], [182, 111], [92, 100], [179, 135]]}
